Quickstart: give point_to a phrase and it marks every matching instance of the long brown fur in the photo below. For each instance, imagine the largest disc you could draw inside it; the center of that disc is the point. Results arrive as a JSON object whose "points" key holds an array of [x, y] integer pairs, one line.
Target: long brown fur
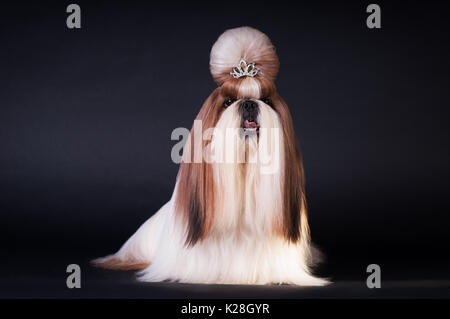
{"points": [[195, 194], [295, 226]]}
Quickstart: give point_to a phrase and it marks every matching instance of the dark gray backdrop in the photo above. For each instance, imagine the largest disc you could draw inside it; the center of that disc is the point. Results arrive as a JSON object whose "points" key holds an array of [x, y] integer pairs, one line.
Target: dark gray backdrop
{"points": [[86, 117]]}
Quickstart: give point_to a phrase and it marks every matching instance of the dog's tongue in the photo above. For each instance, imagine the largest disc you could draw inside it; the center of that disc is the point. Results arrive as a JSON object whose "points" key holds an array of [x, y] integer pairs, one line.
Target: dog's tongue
{"points": [[248, 124]]}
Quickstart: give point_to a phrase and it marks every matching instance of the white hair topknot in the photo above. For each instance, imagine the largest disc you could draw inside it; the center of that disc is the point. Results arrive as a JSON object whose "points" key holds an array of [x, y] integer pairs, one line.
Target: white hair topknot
{"points": [[244, 43]]}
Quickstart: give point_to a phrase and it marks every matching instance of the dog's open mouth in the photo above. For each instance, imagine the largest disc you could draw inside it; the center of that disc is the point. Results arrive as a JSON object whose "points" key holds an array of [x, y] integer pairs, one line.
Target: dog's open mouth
{"points": [[250, 126]]}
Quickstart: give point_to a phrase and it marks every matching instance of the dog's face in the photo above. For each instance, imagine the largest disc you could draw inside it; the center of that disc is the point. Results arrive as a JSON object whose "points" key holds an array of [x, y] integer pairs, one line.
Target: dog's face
{"points": [[247, 102], [250, 177], [248, 98]]}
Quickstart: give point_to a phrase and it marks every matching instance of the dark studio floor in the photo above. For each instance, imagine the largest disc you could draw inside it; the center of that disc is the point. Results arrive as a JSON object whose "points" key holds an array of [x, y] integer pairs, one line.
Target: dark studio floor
{"points": [[46, 278]]}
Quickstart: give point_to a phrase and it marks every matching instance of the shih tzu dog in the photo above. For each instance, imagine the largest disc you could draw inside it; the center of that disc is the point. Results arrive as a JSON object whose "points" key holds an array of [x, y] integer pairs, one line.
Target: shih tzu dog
{"points": [[238, 212]]}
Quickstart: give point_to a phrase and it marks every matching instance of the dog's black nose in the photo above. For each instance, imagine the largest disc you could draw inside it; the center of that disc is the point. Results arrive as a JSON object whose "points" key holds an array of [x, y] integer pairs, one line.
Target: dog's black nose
{"points": [[249, 110], [249, 105]]}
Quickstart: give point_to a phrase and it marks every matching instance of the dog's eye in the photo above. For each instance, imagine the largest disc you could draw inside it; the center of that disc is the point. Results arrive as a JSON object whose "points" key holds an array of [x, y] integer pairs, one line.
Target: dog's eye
{"points": [[228, 102], [267, 101]]}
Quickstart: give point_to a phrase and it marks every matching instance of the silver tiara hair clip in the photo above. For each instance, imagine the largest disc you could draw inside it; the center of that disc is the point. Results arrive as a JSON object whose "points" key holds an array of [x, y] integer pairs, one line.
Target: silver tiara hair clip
{"points": [[244, 69]]}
